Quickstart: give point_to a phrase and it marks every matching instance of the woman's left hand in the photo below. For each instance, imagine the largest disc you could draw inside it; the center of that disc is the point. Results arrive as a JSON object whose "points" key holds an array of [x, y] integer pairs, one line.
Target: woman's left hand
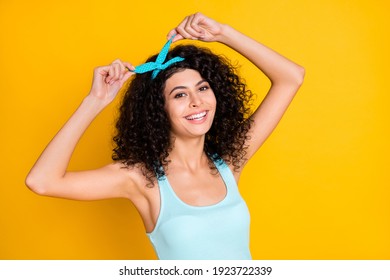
{"points": [[197, 27]]}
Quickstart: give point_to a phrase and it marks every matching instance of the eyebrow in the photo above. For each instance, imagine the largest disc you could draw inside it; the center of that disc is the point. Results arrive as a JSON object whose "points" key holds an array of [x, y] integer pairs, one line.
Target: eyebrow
{"points": [[183, 87]]}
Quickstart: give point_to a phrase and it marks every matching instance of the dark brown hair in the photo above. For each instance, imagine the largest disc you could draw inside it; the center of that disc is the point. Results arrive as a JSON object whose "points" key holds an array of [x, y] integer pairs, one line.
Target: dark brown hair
{"points": [[143, 128]]}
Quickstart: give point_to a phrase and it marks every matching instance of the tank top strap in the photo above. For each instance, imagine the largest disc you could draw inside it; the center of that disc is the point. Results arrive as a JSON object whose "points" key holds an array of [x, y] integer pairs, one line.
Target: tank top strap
{"points": [[226, 174], [166, 192]]}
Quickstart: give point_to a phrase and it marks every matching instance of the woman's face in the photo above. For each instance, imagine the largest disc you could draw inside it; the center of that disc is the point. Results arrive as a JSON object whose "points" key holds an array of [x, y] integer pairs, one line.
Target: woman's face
{"points": [[190, 104]]}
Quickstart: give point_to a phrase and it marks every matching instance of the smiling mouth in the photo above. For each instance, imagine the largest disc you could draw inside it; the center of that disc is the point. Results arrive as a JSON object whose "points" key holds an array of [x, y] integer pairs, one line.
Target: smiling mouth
{"points": [[198, 116]]}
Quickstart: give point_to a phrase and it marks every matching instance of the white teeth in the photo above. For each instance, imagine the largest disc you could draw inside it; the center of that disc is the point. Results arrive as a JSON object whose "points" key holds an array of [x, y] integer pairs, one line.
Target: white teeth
{"points": [[196, 116]]}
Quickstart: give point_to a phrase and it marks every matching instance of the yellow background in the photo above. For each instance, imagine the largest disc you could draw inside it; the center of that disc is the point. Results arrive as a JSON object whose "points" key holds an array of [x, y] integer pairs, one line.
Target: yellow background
{"points": [[318, 188]]}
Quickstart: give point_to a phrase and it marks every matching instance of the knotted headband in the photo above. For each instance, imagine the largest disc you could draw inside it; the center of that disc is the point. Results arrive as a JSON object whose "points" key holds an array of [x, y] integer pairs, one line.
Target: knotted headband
{"points": [[159, 64]]}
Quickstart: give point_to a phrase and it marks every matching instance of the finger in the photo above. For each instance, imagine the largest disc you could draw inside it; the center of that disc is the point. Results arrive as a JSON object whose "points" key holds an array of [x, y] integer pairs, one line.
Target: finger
{"points": [[119, 70], [128, 66], [184, 33], [125, 68], [181, 29], [198, 24], [112, 73], [108, 78], [126, 76], [177, 37], [100, 75], [193, 23], [188, 26], [192, 27], [129, 71], [101, 72], [119, 67], [172, 33]]}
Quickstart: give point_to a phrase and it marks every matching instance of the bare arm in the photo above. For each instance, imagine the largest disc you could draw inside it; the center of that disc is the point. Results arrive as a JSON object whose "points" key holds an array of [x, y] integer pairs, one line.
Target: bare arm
{"points": [[49, 175], [286, 77]]}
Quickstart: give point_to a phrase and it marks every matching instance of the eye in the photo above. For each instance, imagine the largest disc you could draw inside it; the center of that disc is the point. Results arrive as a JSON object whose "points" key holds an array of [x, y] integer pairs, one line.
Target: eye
{"points": [[204, 88], [180, 94]]}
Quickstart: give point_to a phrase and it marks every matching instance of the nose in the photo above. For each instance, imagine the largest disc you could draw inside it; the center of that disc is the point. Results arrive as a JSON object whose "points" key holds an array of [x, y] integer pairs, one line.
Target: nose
{"points": [[195, 100]]}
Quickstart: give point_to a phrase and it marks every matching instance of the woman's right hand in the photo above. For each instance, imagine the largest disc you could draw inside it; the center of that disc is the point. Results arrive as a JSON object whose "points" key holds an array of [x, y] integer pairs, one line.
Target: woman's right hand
{"points": [[108, 80]]}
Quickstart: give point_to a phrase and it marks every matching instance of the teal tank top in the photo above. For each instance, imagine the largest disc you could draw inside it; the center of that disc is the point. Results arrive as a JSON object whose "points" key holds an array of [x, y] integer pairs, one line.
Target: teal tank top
{"points": [[216, 232]]}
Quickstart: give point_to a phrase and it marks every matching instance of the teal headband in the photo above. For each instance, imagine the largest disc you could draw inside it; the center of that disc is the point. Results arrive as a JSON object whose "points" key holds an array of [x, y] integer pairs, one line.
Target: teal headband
{"points": [[159, 64]]}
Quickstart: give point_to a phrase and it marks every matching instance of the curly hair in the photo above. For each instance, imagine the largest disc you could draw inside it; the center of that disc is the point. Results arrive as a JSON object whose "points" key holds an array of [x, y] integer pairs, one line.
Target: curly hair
{"points": [[143, 128]]}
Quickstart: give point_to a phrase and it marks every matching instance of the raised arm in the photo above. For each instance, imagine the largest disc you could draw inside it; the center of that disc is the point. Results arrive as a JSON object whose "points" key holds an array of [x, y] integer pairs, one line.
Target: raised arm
{"points": [[49, 175], [286, 77]]}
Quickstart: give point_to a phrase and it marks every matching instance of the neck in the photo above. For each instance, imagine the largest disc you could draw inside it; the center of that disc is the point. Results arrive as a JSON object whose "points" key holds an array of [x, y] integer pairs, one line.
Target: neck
{"points": [[188, 153]]}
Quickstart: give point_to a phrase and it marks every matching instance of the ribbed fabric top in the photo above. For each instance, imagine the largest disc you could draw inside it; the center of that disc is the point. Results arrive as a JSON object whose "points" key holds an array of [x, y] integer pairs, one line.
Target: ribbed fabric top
{"points": [[216, 232]]}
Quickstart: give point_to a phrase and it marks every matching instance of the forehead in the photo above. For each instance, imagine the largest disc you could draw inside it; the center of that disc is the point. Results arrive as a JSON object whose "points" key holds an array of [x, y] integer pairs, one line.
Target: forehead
{"points": [[185, 78]]}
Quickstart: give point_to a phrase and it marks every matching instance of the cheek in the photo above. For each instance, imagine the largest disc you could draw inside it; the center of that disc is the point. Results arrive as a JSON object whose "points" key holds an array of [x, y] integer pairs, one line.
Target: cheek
{"points": [[174, 110], [212, 100], [169, 114]]}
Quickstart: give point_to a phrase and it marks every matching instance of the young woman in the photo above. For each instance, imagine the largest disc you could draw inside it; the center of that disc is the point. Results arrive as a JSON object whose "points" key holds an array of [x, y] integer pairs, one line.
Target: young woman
{"points": [[183, 138]]}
